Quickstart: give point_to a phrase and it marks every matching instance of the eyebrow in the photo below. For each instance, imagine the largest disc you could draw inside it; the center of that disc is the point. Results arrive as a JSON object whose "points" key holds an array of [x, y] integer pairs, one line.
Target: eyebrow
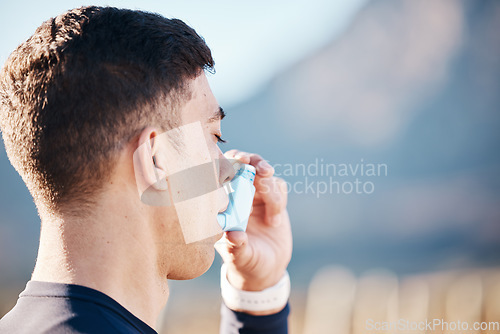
{"points": [[218, 115]]}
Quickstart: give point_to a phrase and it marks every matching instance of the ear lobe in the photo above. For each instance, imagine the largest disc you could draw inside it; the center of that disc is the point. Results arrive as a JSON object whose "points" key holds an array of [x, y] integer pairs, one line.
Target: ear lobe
{"points": [[161, 183]]}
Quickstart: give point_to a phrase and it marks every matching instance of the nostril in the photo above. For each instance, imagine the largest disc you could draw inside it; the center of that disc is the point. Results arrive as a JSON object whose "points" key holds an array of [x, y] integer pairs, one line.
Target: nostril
{"points": [[227, 171], [228, 178]]}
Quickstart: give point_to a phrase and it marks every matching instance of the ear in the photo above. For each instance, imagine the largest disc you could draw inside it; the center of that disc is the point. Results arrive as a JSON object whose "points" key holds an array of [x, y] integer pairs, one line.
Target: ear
{"points": [[147, 173]]}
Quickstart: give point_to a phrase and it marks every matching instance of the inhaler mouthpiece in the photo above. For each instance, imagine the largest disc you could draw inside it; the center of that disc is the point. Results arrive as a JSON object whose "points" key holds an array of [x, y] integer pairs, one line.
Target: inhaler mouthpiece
{"points": [[235, 218]]}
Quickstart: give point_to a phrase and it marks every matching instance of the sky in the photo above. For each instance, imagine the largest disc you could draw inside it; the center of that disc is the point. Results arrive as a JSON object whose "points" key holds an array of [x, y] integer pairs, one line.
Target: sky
{"points": [[251, 41]]}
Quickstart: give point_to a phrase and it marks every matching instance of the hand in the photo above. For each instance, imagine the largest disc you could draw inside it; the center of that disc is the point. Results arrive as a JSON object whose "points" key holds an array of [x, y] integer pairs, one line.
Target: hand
{"points": [[257, 259]]}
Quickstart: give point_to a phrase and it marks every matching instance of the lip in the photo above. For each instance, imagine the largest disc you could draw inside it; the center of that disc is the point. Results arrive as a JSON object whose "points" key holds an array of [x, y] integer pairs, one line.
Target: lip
{"points": [[223, 210], [226, 201]]}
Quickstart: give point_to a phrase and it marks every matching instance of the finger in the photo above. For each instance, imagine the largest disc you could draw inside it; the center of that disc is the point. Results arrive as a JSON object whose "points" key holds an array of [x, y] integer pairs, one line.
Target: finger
{"points": [[233, 247], [236, 239], [273, 193], [264, 169], [231, 153], [237, 155]]}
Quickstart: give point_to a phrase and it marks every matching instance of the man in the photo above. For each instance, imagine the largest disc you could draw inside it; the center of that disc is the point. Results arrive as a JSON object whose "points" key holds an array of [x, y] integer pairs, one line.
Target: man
{"points": [[101, 110]]}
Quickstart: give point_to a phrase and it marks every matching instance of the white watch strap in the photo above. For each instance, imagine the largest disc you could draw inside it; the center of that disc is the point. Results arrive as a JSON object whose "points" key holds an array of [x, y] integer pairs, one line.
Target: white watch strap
{"points": [[267, 299]]}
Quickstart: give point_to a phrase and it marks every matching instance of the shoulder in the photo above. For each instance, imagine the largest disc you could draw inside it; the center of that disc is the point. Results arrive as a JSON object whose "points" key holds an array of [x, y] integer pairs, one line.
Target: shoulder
{"points": [[62, 315]]}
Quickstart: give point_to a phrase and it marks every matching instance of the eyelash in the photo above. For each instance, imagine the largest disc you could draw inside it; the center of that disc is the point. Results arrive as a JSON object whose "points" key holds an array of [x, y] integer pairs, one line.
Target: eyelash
{"points": [[220, 140]]}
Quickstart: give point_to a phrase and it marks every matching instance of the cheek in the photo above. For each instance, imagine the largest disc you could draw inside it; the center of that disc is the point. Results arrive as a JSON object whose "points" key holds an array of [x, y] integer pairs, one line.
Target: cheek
{"points": [[167, 226], [198, 217]]}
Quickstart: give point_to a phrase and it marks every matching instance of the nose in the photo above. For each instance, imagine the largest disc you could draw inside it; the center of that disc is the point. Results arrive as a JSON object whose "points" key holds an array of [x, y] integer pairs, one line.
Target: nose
{"points": [[226, 169], [226, 174]]}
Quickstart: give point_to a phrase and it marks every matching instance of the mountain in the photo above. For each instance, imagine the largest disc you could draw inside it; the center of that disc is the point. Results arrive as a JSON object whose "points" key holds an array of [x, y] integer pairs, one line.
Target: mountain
{"points": [[404, 105], [412, 85]]}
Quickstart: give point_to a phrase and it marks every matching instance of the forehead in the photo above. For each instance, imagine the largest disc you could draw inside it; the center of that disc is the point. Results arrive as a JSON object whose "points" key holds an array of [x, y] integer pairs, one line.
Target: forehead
{"points": [[203, 103]]}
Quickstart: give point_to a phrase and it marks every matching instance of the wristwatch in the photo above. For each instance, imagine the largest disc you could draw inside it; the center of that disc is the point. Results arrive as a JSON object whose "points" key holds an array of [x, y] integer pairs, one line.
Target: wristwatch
{"points": [[239, 300]]}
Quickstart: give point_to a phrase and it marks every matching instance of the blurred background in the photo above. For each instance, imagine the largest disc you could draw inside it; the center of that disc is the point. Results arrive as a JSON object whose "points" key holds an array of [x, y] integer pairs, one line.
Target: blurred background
{"points": [[342, 87]]}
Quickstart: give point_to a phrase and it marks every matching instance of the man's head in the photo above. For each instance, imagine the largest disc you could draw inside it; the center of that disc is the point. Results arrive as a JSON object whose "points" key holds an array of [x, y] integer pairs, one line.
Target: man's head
{"points": [[90, 87], [83, 86]]}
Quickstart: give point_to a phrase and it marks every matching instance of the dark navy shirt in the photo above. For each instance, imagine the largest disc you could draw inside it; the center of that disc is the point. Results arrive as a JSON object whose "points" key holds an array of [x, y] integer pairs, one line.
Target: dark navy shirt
{"points": [[57, 308]]}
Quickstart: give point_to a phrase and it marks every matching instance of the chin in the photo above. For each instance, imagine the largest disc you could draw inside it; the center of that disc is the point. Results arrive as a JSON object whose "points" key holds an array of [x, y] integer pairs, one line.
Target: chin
{"points": [[197, 259]]}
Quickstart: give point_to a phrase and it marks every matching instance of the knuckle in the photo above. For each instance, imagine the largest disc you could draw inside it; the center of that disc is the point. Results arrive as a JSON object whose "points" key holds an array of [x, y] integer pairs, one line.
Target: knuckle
{"points": [[256, 156]]}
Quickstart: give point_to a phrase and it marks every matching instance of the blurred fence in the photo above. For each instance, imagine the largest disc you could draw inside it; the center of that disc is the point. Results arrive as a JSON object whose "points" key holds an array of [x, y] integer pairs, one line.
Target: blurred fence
{"points": [[379, 301], [337, 302]]}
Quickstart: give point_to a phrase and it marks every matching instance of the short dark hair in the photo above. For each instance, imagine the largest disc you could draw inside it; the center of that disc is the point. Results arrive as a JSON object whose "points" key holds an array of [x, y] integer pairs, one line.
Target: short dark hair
{"points": [[83, 86]]}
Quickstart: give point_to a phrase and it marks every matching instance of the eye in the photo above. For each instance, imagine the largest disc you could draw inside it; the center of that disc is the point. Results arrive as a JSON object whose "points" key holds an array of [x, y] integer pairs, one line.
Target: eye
{"points": [[219, 139]]}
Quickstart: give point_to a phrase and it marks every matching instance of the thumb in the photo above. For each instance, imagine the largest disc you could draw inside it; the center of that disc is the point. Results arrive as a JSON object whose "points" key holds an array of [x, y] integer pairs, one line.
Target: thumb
{"points": [[236, 239], [233, 247]]}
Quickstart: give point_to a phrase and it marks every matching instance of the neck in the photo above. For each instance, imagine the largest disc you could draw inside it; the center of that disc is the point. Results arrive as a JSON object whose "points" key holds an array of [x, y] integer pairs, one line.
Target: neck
{"points": [[106, 252]]}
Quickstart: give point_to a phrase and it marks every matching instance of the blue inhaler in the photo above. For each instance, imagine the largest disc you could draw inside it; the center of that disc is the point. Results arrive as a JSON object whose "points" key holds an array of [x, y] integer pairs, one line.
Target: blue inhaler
{"points": [[241, 192]]}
